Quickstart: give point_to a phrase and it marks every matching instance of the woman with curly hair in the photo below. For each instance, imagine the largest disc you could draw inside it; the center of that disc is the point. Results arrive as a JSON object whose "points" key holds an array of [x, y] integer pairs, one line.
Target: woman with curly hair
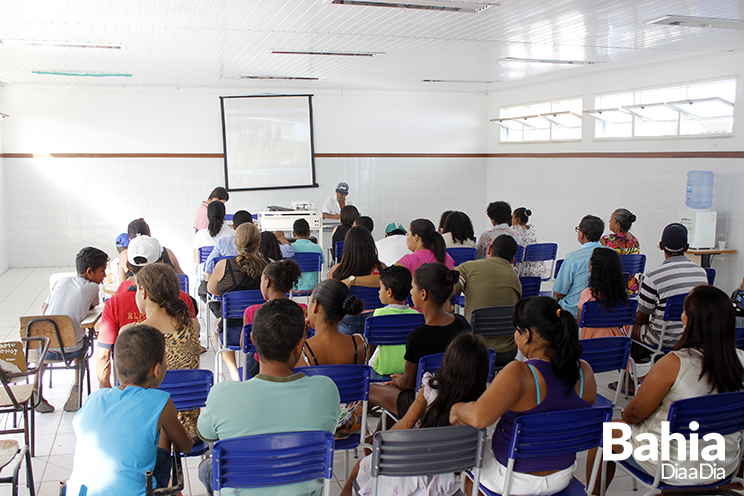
{"points": [[237, 274], [607, 287], [458, 231]]}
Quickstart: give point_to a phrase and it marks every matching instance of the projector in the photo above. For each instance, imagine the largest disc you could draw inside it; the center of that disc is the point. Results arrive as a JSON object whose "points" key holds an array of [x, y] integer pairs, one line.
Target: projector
{"points": [[302, 205]]}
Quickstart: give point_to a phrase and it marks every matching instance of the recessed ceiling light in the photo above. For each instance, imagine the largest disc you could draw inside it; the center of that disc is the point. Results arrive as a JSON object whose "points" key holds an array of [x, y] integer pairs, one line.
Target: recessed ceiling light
{"points": [[550, 61], [80, 74], [333, 54], [698, 22], [299, 78], [472, 8], [58, 44], [457, 81]]}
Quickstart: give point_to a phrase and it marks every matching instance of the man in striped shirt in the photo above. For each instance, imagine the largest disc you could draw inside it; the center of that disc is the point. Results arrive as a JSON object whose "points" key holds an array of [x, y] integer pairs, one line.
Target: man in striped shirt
{"points": [[676, 275]]}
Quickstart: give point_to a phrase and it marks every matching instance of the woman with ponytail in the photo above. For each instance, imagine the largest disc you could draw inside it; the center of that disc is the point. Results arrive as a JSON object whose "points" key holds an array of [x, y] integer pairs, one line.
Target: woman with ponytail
{"points": [[215, 230], [158, 297], [427, 245], [237, 274], [552, 379], [431, 289]]}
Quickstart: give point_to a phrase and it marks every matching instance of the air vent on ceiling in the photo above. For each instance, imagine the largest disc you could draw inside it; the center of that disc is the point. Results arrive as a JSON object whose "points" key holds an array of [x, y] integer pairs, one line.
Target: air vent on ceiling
{"points": [[62, 44], [458, 81], [332, 54], [81, 74], [549, 61], [288, 78], [698, 22], [472, 8]]}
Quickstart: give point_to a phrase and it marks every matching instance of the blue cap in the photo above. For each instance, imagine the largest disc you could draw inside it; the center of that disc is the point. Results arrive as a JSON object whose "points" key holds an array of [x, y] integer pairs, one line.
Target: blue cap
{"points": [[342, 188], [122, 240]]}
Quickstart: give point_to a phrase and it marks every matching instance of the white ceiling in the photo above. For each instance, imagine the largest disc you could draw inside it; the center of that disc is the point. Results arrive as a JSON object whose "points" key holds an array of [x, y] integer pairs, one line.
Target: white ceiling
{"points": [[201, 43]]}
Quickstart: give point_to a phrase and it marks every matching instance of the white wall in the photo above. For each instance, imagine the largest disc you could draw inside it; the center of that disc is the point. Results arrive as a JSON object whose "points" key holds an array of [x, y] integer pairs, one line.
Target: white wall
{"points": [[4, 261], [560, 191], [58, 205]]}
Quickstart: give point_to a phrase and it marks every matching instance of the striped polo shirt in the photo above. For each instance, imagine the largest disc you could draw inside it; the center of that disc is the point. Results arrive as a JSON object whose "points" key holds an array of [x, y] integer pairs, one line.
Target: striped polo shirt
{"points": [[676, 275]]}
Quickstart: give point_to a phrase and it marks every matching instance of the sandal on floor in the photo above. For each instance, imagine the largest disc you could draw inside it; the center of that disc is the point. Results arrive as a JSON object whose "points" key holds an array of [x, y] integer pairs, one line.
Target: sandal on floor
{"points": [[613, 387]]}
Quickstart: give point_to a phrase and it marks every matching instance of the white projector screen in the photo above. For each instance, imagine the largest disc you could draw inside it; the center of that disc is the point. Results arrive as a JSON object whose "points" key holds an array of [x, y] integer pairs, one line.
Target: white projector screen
{"points": [[268, 142]]}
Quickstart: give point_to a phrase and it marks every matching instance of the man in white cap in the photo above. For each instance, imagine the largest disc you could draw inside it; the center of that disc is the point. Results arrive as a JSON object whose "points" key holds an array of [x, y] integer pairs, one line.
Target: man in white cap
{"points": [[333, 204]]}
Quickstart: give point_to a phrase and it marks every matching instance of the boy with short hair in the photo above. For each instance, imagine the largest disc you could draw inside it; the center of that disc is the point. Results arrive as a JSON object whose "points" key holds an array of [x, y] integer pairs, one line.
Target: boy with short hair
{"points": [[74, 297], [395, 286], [301, 231], [268, 403], [117, 430]]}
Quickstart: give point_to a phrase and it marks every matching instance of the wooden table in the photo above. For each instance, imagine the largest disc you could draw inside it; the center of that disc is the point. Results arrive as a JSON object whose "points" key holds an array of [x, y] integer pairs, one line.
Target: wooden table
{"points": [[706, 255]]}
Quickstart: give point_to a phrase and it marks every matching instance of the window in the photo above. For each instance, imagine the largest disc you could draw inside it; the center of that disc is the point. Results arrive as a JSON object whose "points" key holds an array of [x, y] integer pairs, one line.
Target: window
{"points": [[546, 121], [681, 110]]}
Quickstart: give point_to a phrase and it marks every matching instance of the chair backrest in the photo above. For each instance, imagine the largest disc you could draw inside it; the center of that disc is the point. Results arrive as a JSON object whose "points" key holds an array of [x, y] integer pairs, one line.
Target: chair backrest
{"points": [[540, 252], [711, 273], [432, 363], [338, 250], [248, 346], [234, 303], [369, 296], [519, 256], [58, 328], [204, 252], [188, 388], [253, 461], [308, 261], [12, 358], [352, 381], [462, 254], [674, 308], [592, 315], [391, 329], [715, 413], [603, 354], [530, 286], [558, 264], [739, 336], [633, 264], [493, 321], [183, 280]]}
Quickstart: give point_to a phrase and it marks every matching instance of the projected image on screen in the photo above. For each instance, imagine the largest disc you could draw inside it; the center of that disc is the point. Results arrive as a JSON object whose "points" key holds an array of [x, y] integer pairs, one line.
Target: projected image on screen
{"points": [[268, 142]]}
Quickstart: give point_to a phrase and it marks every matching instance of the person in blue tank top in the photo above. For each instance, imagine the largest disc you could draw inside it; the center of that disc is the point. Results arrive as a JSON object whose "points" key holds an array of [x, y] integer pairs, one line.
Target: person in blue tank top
{"points": [[552, 379], [118, 429]]}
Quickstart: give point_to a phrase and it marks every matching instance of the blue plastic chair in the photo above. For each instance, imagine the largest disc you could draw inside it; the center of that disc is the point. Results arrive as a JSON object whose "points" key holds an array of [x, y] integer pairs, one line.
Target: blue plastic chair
{"points": [[530, 286], [633, 264], [338, 250], [460, 255], [739, 338], [234, 304], [388, 330], [593, 315], [715, 413], [541, 252], [550, 434], [183, 281], [604, 355], [352, 382], [273, 460], [308, 262], [189, 389], [247, 347], [558, 264], [204, 252], [432, 363], [711, 273], [519, 255], [211, 299], [369, 296], [672, 313]]}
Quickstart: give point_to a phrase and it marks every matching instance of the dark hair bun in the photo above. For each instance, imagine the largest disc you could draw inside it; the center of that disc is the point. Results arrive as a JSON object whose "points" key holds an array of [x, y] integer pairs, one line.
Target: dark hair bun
{"points": [[352, 305], [528, 212], [452, 277], [632, 218]]}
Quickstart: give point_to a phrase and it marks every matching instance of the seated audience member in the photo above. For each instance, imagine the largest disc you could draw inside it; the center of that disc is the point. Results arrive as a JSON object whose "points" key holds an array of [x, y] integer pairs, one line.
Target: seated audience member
{"points": [[349, 214], [117, 429], [548, 337], [393, 246], [139, 227], [462, 377], [622, 241], [573, 276], [737, 298], [366, 222], [215, 230], [520, 223], [237, 274], [395, 286], [704, 361], [458, 231], [443, 219], [426, 245], [122, 241], [431, 289], [334, 204], [201, 221], [275, 246], [676, 275], [359, 266], [500, 214], [121, 309], [301, 231], [74, 297], [225, 247], [277, 399], [158, 297], [492, 282], [606, 287]]}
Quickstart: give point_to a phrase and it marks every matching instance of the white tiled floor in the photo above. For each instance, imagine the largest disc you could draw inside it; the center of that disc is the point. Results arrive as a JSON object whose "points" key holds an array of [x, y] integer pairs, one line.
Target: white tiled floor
{"points": [[22, 292]]}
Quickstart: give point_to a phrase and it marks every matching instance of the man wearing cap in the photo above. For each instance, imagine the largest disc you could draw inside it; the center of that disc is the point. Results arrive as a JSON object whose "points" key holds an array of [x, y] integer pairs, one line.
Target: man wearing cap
{"points": [[121, 309], [393, 246], [676, 275], [333, 204]]}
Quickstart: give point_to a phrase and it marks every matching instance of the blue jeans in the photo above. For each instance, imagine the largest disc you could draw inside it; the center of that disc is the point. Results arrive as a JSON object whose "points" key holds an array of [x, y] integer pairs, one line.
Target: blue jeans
{"points": [[205, 474], [353, 324]]}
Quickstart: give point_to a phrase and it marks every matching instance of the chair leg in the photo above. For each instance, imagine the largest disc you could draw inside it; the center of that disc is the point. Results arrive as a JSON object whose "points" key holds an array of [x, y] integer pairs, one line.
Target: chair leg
{"points": [[29, 475], [346, 463], [29, 430]]}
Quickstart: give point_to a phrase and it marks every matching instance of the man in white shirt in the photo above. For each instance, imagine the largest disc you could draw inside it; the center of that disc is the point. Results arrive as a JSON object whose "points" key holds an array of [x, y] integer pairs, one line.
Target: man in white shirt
{"points": [[393, 246], [333, 204]]}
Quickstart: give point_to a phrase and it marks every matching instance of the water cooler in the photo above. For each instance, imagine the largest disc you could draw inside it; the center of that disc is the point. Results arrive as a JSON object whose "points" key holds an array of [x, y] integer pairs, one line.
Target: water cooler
{"points": [[699, 220]]}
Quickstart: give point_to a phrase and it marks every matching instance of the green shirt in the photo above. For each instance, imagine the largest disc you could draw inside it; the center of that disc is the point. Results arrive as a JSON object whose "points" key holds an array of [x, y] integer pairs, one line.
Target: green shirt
{"points": [[389, 359], [308, 280]]}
